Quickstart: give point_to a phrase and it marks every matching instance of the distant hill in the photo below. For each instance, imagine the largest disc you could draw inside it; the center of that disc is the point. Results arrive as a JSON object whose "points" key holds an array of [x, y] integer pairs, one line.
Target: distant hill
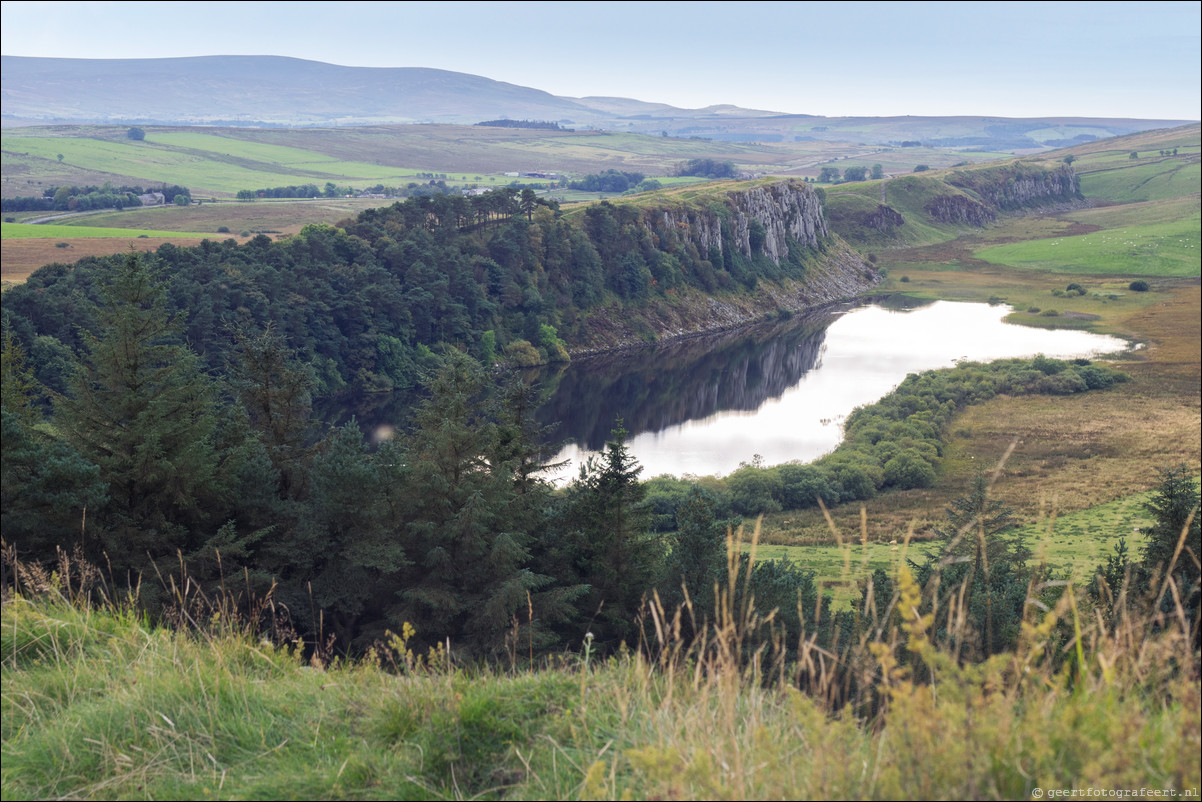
{"points": [[261, 89], [291, 92]]}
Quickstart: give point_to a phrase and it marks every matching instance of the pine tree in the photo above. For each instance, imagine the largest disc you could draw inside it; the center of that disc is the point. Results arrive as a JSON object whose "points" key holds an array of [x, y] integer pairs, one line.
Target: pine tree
{"points": [[698, 556], [141, 409], [346, 550], [1174, 506], [276, 392], [981, 571], [19, 389], [466, 526], [609, 533]]}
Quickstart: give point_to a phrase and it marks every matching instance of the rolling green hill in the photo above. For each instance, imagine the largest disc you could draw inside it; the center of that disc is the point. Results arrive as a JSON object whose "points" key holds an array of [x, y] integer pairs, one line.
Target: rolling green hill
{"points": [[220, 161]]}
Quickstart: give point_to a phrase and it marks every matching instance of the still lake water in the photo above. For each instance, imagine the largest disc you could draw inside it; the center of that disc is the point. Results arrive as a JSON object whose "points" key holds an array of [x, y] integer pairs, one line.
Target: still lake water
{"points": [[702, 406]]}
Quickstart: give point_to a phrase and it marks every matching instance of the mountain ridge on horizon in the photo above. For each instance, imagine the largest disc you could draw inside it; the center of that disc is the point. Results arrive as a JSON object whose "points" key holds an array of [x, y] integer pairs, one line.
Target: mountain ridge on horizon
{"points": [[286, 91]]}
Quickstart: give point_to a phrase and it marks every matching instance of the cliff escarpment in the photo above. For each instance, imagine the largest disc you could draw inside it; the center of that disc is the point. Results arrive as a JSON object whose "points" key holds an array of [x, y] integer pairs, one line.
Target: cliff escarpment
{"points": [[933, 207], [366, 304], [1018, 185], [959, 209], [744, 254]]}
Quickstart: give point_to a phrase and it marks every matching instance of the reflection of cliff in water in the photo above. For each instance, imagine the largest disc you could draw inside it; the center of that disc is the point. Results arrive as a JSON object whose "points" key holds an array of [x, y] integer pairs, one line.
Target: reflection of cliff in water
{"points": [[652, 389]]}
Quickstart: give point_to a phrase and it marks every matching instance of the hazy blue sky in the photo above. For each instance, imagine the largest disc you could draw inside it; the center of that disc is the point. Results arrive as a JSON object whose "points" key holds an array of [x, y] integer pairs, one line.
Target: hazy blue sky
{"points": [[1025, 59]]}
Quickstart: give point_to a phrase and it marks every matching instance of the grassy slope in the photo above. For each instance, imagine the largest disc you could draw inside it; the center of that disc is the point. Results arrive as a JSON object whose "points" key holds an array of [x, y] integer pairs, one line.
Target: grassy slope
{"points": [[1152, 249], [104, 706]]}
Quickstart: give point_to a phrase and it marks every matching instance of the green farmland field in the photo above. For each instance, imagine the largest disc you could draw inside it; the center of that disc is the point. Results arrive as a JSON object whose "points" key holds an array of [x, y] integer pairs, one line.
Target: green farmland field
{"points": [[1158, 249], [26, 231], [203, 174], [1163, 178], [1076, 542]]}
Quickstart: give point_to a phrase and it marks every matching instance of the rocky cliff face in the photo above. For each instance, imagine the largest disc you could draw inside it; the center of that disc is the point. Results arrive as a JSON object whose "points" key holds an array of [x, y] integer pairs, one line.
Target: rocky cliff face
{"points": [[1019, 185], [838, 274], [759, 220], [959, 209], [767, 249]]}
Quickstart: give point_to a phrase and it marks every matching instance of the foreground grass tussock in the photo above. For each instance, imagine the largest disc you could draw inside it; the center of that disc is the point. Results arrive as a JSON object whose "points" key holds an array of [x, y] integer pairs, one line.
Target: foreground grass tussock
{"points": [[101, 704]]}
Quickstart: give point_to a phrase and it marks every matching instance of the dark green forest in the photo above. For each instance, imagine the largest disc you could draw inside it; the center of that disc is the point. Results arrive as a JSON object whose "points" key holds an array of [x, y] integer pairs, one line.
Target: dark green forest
{"points": [[498, 276], [157, 416]]}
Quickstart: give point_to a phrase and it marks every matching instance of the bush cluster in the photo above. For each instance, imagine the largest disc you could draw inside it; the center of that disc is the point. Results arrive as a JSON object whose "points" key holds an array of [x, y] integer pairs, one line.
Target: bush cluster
{"points": [[896, 443]]}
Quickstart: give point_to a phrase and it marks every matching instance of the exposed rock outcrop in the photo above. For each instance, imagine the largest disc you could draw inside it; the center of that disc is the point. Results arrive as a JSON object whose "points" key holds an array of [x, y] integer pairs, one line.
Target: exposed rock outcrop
{"points": [[759, 220], [884, 219], [838, 274], [959, 209], [764, 248], [1018, 185]]}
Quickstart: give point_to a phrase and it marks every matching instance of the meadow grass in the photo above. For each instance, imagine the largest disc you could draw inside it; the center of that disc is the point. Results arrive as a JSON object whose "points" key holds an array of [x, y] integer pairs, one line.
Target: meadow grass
{"points": [[1153, 249], [1075, 542], [240, 148], [53, 231], [1162, 178], [1166, 210], [101, 703], [285, 216], [203, 175], [210, 164]]}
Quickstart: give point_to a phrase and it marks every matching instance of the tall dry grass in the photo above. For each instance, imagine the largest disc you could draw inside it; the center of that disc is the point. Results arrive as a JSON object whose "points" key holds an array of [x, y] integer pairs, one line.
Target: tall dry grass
{"points": [[100, 703]]}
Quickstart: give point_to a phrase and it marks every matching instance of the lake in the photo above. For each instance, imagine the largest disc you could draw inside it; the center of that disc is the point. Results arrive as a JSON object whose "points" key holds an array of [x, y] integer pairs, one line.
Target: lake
{"points": [[781, 391]]}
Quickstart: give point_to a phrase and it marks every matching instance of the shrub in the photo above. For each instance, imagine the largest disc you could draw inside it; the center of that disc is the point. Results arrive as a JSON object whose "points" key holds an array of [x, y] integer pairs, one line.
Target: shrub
{"points": [[856, 481], [1049, 313], [905, 279], [802, 485], [223, 229], [1048, 367], [665, 496], [908, 470], [754, 491], [520, 353], [1034, 310], [1139, 286], [1066, 382]]}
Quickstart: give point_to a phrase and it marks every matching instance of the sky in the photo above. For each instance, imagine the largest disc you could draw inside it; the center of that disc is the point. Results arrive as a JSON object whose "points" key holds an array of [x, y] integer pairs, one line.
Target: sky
{"points": [[1013, 59]]}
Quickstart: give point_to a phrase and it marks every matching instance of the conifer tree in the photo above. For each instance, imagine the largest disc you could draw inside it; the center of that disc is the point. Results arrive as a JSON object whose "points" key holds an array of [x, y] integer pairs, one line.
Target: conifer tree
{"points": [[46, 487], [276, 392], [1174, 541], [980, 574], [698, 556], [346, 550], [465, 529], [609, 536], [141, 409]]}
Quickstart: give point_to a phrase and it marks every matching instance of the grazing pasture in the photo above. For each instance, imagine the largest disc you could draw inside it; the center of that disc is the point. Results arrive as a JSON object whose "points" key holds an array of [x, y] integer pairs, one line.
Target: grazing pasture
{"points": [[1155, 249], [27, 231]]}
